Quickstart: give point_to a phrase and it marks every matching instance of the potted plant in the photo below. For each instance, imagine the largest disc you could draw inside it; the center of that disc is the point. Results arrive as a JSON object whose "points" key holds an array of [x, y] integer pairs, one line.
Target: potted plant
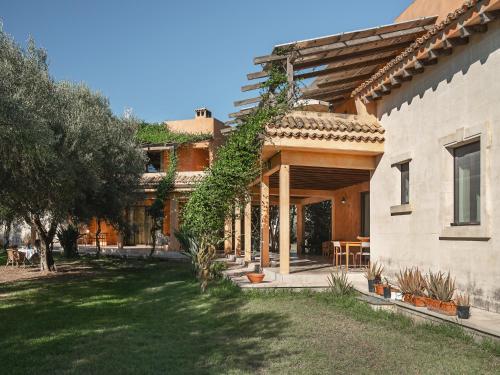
{"points": [[370, 275], [463, 306], [257, 276], [377, 270], [412, 285], [440, 289], [387, 288]]}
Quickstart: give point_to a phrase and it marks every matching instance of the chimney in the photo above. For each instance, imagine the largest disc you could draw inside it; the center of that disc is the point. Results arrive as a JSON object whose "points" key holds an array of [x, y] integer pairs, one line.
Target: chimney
{"points": [[203, 112]]}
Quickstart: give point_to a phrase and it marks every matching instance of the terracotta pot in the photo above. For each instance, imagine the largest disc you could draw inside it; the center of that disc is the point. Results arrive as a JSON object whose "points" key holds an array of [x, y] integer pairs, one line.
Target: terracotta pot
{"points": [[433, 304], [419, 301], [379, 289], [448, 308], [408, 298], [255, 278]]}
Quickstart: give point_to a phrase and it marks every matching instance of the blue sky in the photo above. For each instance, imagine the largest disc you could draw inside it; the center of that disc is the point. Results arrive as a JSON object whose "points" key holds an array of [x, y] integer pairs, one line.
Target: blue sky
{"points": [[165, 58]]}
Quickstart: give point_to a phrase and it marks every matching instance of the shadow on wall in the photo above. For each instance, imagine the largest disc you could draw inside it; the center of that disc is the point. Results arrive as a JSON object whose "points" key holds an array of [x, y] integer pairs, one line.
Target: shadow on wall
{"points": [[479, 49]]}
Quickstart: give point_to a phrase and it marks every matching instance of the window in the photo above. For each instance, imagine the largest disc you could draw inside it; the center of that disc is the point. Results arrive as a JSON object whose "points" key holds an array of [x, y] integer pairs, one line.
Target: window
{"points": [[154, 162], [467, 184], [405, 182], [365, 214]]}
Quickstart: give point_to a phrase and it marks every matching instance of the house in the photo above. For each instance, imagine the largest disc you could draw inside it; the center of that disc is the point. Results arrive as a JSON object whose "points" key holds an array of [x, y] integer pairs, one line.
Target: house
{"points": [[192, 160], [400, 130]]}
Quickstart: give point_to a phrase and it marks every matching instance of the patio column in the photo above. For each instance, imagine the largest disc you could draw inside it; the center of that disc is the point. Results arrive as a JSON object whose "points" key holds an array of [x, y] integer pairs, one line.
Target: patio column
{"points": [[264, 222], [248, 231], [284, 219], [237, 231], [332, 221], [174, 224], [300, 228], [228, 235]]}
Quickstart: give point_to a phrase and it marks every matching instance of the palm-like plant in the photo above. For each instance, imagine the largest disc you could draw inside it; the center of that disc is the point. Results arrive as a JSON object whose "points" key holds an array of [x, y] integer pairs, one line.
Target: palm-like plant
{"points": [[411, 281], [340, 284], [374, 272], [189, 247], [440, 286]]}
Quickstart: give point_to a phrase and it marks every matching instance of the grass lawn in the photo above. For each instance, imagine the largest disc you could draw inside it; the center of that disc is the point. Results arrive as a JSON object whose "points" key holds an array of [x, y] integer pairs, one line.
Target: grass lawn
{"points": [[138, 317]]}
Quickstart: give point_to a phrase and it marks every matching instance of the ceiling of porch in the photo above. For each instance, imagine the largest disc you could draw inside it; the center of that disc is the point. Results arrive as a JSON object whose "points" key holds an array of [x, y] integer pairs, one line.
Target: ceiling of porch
{"points": [[319, 178]]}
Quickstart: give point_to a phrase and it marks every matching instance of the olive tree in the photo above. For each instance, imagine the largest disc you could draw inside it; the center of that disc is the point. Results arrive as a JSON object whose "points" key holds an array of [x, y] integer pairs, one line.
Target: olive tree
{"points": [[64, 155]]}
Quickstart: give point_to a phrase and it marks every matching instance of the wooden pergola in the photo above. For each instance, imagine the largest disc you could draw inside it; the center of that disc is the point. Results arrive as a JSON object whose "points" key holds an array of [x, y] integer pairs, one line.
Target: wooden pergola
{"points": [[339, 63]]}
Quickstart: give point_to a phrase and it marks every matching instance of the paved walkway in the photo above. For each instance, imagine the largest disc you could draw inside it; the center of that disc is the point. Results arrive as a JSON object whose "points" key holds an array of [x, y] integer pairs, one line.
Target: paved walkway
{"points": [[313, 274]]}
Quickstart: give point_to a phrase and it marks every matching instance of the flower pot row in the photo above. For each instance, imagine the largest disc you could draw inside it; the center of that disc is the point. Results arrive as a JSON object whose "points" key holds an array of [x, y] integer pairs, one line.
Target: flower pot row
{"points": [[448, 308]]}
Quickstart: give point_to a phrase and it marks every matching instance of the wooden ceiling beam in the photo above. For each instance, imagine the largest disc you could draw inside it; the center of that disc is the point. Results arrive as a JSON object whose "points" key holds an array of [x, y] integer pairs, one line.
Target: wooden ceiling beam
{"points": [[240, 103], [306, 62], [332, 82]]}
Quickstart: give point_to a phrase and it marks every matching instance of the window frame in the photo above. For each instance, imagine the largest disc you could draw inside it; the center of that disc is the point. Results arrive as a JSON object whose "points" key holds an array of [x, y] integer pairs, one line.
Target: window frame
{"points": [[148, 163], [362, 195], [405, 198], [456, 200]]}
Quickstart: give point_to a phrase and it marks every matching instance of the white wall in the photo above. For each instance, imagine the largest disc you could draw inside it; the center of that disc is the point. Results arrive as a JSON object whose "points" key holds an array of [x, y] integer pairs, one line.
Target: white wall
{"points": [[458, 96]]}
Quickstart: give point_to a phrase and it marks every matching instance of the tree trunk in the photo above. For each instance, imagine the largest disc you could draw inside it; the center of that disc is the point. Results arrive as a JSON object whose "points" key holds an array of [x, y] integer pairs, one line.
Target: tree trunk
{"points": [[47, 263], [97, 242], [153, 239], [6, 234]]}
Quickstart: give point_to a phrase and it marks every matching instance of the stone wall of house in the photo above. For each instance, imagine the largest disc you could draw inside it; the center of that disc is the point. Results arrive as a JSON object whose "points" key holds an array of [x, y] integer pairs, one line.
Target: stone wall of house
{"points": [[453, 101]]}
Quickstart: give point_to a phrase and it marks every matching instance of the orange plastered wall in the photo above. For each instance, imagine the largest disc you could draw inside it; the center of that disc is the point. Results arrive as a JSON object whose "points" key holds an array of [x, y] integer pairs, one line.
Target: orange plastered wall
{"points": [[347, 224]]}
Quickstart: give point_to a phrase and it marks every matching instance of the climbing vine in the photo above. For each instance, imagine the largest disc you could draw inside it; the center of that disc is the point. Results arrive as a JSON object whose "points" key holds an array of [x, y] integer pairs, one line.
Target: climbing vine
{"points": [[237, 164], [156, 210], [160, 133]]}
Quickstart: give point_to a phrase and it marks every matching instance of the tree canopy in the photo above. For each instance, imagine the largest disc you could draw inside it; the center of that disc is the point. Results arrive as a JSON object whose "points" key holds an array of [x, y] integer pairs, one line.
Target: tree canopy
{"points": [[64, 155]]}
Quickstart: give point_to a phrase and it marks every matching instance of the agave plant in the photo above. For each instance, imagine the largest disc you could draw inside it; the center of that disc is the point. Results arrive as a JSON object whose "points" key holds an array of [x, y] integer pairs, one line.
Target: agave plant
{"points": [[411, 281], [339, 284], [189, 247], [440, 286], [374, 272], [462, 299]]}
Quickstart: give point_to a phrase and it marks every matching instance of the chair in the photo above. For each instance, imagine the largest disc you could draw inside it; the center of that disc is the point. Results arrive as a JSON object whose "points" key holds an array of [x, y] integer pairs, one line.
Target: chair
{"points": [[11, 257], [326, 248], [341, 253], [21, 258], [365, 252], [337, 248]]}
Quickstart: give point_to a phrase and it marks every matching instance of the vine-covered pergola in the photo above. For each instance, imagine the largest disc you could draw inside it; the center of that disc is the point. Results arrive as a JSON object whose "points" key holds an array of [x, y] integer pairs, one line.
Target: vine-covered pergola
{"points": [[327, 146]]}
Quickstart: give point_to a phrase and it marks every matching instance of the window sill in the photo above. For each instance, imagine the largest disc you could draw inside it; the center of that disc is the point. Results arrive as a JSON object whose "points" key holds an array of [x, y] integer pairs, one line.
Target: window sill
{"points": [[402, 209], [465, 233]]}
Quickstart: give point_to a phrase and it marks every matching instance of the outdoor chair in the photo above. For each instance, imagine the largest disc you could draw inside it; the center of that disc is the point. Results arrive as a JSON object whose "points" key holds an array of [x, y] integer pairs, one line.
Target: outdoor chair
{"points": [[326, 248], [11, 257], [365, 252], [341, 253]]}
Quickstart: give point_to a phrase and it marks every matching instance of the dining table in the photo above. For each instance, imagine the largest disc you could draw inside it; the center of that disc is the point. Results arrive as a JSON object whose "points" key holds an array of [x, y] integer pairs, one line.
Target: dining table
{"points": [[27, 252], [348, 245]]}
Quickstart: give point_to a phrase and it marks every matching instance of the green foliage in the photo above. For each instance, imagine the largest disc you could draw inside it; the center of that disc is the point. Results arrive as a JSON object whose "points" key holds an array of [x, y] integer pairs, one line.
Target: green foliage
{"points": [[216, 269], [63, 153], [152, 133], [236, 165], [68, 238], [339, 284], [189, 246]]}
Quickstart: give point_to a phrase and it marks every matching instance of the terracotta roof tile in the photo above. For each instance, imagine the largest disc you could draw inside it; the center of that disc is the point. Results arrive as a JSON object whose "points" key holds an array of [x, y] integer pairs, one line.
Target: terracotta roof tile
{"points": [[327, 126]]}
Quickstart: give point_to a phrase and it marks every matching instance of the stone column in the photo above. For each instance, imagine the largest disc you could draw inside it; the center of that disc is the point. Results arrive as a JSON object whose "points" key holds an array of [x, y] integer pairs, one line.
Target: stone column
{"points": [[174, 224], [284, 175], [248, 231], [228, 235], [300, 228], [237, 231], [264, 222]]}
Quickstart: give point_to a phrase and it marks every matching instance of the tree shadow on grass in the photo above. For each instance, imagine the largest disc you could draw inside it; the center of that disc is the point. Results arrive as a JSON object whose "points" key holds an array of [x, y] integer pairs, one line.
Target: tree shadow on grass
{"points": [[147, 318]]}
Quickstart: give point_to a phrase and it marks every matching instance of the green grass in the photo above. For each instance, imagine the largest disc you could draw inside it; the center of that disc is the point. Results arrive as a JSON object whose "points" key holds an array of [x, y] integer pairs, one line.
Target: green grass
{"points": [[141, 317]]}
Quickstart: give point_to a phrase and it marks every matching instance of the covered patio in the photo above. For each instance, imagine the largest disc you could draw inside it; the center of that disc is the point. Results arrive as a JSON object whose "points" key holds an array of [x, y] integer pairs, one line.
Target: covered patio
{"points": [[310, 156]]}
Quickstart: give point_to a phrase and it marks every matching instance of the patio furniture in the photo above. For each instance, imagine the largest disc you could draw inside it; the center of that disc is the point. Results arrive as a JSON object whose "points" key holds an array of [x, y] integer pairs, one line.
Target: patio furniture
{"points": [[337, 249], [28, 254], [11, 257], [326, 248], [365, 252], [348, 252], [21, 258]]}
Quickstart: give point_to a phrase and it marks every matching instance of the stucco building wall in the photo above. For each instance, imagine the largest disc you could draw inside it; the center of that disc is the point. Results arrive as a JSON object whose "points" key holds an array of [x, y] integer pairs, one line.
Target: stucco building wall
{"points": [[456, 98]]}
